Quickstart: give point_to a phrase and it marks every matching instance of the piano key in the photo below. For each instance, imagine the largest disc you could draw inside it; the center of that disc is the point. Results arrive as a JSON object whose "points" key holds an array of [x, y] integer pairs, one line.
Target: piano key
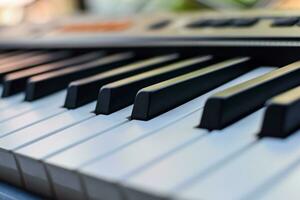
{"points": [[202, 23], [120, 94], [245, 22], [249, 171], [285, 22], [16, 82], [17, 58], [31, 62], [281, 117], [192, 161], [21, 108], [4, 55], [232, 104], [102, 176], [219, 23], [37, 131], [161, 97], [85, 90], [27, 119], [44, 84], [54, 135], [160, 25], [65, 163], [283, 186], [15, 99]]}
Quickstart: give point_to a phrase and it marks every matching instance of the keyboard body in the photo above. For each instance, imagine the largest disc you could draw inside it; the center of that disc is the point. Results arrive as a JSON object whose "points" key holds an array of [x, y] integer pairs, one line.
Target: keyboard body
{"points": [[87, 115]]}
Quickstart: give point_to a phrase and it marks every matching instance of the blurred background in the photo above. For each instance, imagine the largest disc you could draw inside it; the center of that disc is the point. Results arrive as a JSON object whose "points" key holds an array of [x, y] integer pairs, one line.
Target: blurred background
{"points": [[39, 11]]}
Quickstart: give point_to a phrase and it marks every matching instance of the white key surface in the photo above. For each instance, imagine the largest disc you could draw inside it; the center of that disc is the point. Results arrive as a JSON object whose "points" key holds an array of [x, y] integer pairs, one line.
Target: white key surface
{"points": [[10, 101], [120, 164], [285, 186], [45, 128], [197, 158], [12, 111], [66, 138], [28, 118], [245, 174]]}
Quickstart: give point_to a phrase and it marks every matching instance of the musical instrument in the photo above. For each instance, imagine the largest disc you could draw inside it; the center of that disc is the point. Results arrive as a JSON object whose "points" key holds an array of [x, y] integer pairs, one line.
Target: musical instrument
{"points": [[187, 106]]}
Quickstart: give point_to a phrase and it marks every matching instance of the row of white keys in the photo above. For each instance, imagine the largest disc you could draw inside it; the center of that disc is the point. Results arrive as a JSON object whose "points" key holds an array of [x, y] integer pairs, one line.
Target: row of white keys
{"points": [[102, 176], [23, 107], [192, 161], [62, 167], [283, 186], [10, 101], [243, 177], [42, 145], [29, 118], [36, 110], [43, 129]]}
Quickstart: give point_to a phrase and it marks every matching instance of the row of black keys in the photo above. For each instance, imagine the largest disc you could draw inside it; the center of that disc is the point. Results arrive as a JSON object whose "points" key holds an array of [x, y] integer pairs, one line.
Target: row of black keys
{"points": [[242, 22], [156, 85]]}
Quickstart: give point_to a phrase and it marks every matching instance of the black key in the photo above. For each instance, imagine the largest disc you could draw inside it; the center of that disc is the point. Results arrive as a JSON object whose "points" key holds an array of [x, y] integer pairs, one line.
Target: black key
{"points": [[160, 25], [202, 23], [161, 97], [282, 115], [86, 90], [4, 55], [33, 61], [220, 23], [285, 22], [246, 22], [232, 104], [16, 82], [216, 23], [119, 94], [18, 57], [45, 84]]}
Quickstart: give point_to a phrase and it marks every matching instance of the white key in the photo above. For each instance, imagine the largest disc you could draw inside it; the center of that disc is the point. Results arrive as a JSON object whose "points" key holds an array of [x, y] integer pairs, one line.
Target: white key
{"points": [[284, 186], [24, 120], [100, 177], [12, 111], [7, 161], [9, 101], [244, 175], [193, 160], [62, 166], [27, 135], [30, 156]]}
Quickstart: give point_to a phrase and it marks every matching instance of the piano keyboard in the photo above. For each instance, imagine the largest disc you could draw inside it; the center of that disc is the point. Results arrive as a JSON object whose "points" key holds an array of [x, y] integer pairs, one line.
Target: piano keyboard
{"points": [[179, 119]]}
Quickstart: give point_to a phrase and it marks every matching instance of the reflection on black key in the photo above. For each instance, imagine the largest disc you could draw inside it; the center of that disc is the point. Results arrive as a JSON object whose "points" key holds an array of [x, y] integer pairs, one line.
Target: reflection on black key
{"points": [[282, 115], [16, 82], [120, 94], [284, 22], [86, 90], [31, 62], [156, 99], [44, 84], [232, 104]]}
